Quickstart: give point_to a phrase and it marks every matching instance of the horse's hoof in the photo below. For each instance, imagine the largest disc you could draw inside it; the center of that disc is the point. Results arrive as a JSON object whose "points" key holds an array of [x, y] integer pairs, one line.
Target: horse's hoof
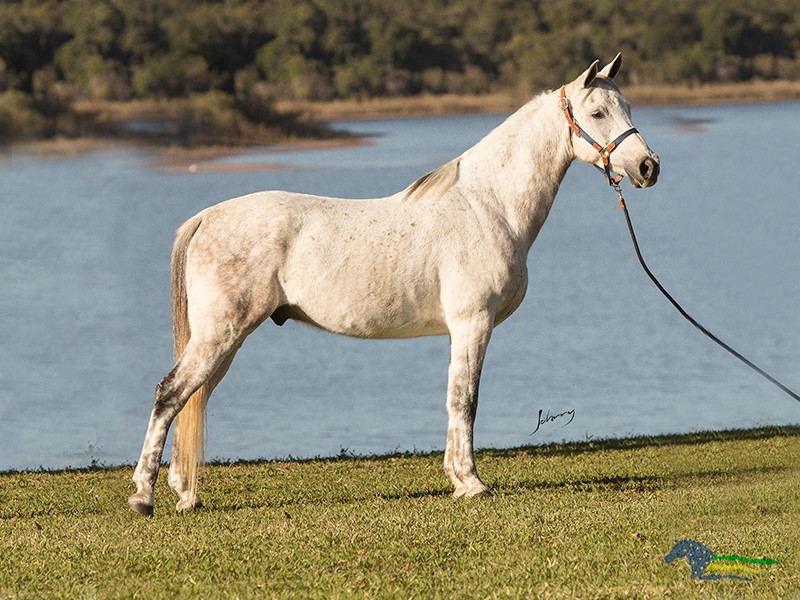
{"points": [[479, 493], [140, 507], [185, 506], [463, 491]]}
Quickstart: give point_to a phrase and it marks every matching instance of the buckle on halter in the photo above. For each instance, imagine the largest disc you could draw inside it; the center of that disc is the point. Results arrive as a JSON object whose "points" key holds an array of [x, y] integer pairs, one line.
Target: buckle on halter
{"points": [[564, 103]]}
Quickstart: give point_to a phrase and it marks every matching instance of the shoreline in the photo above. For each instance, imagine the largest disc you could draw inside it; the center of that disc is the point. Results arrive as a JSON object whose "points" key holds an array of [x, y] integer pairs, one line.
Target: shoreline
{"points": [[180, 158], [508, 101], [632, 442]]}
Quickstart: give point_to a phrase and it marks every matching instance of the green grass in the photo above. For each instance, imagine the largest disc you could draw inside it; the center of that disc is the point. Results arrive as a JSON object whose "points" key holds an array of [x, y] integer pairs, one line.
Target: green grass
{"points": [[590, 520]]}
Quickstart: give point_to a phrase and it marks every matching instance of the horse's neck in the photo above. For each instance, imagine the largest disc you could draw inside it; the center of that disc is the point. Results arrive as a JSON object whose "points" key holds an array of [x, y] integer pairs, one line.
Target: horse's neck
{"points": [[519, 166]]}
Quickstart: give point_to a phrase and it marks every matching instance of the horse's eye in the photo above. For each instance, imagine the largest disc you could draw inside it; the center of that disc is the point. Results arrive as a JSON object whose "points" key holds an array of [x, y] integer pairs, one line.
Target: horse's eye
{"points": [[598, 114]]}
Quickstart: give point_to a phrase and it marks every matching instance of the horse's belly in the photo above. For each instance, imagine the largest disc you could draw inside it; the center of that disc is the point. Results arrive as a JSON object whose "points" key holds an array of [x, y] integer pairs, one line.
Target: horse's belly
{"points": [[362, 288], [363, 321], [366, 305]]}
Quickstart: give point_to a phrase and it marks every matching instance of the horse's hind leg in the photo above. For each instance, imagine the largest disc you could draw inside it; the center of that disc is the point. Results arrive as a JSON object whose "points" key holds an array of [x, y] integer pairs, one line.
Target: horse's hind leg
{"points": [[179, 480], [196, 365], [469, 337]]}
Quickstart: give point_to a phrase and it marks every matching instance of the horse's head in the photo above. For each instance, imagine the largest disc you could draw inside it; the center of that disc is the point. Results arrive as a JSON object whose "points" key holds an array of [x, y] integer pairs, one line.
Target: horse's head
{"points": [[597, 112]]}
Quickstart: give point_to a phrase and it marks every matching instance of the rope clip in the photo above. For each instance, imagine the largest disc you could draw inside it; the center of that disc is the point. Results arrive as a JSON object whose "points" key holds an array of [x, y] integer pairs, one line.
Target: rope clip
{"points": [[620, 199]]}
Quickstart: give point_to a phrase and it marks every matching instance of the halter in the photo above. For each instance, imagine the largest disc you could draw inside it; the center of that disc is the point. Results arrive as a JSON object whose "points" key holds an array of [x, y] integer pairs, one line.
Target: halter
{"points": [[605, 152]]}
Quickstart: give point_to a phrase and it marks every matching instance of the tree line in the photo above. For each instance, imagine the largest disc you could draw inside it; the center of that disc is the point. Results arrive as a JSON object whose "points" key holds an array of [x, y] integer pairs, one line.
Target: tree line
{"points": [[235, 58]]}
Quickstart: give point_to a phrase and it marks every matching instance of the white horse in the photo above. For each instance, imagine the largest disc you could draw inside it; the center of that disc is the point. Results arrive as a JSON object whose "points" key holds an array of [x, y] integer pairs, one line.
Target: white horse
{"points": [[445, 256]]}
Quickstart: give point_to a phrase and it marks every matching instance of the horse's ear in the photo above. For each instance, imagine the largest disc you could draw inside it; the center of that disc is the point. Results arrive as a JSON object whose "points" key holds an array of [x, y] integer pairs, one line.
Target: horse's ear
{"points": [[586, 79], [612, 68]]}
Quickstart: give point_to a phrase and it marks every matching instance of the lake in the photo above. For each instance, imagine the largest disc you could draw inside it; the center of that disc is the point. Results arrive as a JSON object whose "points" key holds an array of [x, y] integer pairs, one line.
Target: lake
{"points": [[85, 330]]}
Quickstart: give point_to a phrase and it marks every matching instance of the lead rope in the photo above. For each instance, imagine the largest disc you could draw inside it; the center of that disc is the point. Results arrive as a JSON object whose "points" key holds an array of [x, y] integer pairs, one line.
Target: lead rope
{"points": [[686, 315], [614, 181]]}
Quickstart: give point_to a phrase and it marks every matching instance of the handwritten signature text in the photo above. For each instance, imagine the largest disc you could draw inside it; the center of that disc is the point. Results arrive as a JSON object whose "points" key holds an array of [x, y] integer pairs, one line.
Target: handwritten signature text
{"points": [[548, 417]]}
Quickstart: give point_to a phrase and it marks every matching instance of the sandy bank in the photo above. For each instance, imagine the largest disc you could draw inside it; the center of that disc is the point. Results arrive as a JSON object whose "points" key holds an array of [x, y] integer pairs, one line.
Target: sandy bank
{"points": [[181, 159]]}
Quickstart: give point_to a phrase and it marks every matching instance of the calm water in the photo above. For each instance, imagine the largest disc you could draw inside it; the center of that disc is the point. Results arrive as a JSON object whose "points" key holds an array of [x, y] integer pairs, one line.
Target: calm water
{"points": [[85, 323]]}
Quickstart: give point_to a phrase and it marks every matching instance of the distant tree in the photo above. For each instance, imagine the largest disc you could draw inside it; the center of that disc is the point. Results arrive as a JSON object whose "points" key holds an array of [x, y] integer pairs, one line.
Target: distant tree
{"points": [[255, 52]]}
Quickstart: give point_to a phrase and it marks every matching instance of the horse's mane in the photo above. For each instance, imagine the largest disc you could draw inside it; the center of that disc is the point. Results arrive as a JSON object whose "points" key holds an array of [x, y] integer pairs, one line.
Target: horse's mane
{"points": [[436, 182]]}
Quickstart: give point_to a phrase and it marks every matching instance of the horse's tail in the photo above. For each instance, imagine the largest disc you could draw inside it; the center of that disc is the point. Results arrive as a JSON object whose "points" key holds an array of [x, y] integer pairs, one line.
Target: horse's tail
{"points": [[189, 437]]}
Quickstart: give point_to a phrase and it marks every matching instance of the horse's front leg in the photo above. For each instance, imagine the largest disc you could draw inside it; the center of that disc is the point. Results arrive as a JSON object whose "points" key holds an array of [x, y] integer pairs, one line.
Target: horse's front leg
{"points": [[469, 338]]}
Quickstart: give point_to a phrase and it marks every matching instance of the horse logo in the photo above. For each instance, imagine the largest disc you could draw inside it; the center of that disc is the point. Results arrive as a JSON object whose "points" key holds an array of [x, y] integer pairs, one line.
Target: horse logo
{"points": [[708, 566]]}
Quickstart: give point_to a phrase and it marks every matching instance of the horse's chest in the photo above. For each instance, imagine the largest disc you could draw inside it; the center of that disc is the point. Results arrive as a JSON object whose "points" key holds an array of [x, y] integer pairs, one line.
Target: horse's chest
{"points": [[494, 276], [512, 294]]}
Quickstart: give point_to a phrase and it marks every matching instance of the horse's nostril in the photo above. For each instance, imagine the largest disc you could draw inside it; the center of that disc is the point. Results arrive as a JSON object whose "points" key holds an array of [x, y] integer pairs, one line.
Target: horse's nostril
{"points": [[648, 169]]}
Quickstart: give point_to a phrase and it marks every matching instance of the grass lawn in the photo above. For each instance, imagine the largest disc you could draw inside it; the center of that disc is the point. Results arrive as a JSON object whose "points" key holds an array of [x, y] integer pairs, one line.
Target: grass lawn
{"points": [[588, 520]]}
